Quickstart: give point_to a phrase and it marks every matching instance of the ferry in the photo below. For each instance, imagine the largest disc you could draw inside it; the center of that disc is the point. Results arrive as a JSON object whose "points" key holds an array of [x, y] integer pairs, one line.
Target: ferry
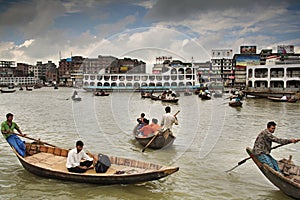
{"points": [[179, 78]]}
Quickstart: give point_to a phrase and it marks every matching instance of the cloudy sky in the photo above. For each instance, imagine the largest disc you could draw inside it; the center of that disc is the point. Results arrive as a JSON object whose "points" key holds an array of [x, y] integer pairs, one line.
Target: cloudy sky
{"points": [[42, 30]]}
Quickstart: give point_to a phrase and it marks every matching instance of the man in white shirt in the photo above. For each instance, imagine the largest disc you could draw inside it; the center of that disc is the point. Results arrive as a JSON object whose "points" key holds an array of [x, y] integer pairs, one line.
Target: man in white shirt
{"points": [[75, 157], [168, 120]]}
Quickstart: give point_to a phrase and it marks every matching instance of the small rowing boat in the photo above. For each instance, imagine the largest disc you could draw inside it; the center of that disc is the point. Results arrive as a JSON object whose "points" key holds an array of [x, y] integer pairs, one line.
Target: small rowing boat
{"points": [[278, 99], [163, 140], [235, 103], [288, 181], [50, 162]]}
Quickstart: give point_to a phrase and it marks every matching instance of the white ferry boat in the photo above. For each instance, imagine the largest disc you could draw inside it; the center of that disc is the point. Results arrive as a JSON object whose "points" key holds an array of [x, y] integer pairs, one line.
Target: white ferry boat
{"points": [[177, 78]]}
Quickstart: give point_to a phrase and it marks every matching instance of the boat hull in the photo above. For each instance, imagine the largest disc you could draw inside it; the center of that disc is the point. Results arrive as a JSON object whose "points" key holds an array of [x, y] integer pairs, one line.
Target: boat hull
{"points": [[236, 104], [133, 171], [164, 140], [285, 184]]}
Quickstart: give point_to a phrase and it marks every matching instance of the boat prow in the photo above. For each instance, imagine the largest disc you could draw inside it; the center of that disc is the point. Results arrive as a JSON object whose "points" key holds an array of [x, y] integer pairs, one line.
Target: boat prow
{"points": [[288, 181], [50, 162]]}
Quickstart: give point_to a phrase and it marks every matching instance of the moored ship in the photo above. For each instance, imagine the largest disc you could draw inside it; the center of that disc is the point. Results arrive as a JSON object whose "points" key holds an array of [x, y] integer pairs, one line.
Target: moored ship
{"points": [[177, 78]]}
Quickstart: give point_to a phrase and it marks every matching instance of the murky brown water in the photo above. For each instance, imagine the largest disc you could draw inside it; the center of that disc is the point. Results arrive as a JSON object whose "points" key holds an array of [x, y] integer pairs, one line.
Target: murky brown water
{"points": [[211, 139]]}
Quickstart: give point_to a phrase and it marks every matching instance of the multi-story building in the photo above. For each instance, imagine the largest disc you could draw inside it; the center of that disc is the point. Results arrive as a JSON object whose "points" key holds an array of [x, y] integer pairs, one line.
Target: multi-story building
{"points": [[22, 70], [222, 69], [278, 74], [70, 71], [203, 72], [95, 65], [7, 68]]}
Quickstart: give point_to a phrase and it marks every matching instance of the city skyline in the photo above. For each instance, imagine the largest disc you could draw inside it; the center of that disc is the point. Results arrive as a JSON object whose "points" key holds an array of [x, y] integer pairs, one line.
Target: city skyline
{"points": [[43, 30]]}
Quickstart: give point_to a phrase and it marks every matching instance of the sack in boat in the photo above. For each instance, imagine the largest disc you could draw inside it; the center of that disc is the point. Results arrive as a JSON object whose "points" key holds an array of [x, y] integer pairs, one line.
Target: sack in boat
{"points": [[102, 164]]}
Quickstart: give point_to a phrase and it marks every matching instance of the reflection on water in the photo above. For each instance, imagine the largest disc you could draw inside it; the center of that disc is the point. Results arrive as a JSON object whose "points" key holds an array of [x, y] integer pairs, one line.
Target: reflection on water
{"points": [[211, 138]]}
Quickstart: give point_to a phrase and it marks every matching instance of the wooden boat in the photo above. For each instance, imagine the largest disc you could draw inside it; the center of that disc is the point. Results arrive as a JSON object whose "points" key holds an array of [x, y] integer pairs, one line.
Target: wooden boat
{"points": [[146, 94], [28, 89], [278, 99], [288, 181], [101, 94], [204, 96], [7, 90], [76, 98], [155, 98], [163, 140], [50, 162], [171, 100], [235, 103]]}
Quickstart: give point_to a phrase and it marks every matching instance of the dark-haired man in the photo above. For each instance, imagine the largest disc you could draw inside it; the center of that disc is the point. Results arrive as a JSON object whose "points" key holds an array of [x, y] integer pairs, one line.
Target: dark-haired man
{"points": [[168, 119], [75, 157], [263, 144], [7, 129]]}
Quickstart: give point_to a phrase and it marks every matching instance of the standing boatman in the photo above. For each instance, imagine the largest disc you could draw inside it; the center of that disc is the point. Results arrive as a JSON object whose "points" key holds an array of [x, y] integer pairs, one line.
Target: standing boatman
{"points": [[7, 129]]}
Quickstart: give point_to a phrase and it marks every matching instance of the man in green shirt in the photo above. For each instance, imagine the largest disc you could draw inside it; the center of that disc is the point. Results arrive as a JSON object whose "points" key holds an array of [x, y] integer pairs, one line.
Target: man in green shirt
{"points": [[7, 129]]}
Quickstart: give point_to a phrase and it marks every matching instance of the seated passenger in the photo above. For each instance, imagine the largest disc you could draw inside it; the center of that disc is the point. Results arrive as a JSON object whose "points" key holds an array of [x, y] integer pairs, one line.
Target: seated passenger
{"points": [[146, 130], [141, 120], [154, 125], [75, 157]]}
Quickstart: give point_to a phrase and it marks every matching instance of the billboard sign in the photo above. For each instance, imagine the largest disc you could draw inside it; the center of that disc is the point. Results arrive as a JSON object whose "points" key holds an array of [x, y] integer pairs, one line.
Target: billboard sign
{"points": [[247, 60], [248, 49], [285, 49]]}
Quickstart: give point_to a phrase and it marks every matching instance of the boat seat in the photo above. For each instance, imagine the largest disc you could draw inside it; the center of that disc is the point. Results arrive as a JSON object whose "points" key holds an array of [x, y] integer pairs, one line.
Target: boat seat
{"points": [[288, 167]]}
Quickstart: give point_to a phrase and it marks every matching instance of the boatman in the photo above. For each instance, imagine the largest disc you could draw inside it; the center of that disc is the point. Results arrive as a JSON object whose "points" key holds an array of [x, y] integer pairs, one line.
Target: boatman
{"points": [[7, 129], [168, 120], [263, 143]]}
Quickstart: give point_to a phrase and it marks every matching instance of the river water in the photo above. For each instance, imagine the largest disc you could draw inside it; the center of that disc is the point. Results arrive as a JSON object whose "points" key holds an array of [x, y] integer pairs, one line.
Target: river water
{"points": [[211, 138]]}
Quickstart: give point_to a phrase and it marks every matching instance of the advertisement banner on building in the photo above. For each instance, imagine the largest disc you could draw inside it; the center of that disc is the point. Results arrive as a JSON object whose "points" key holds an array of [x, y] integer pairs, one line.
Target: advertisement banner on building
{"points": [[285, 49], [247, 60], [248, 49]]}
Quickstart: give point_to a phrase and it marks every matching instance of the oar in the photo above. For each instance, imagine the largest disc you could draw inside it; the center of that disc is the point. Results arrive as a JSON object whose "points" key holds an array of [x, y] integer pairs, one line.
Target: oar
{"points": [[35, 140], [243, 161], [156, 135]]}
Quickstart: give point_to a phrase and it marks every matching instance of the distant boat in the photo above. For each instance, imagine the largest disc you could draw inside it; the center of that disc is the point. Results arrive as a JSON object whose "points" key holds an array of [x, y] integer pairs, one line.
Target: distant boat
{"points": [[7, 90], [235, 103], [278, 99], [101, 93], [28, 89], [75, 96]]}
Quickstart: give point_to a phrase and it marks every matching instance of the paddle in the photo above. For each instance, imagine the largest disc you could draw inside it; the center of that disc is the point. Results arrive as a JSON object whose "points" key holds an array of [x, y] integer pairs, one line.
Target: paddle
{"points": [[35, 139], [243, 161], [157, 133]]}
